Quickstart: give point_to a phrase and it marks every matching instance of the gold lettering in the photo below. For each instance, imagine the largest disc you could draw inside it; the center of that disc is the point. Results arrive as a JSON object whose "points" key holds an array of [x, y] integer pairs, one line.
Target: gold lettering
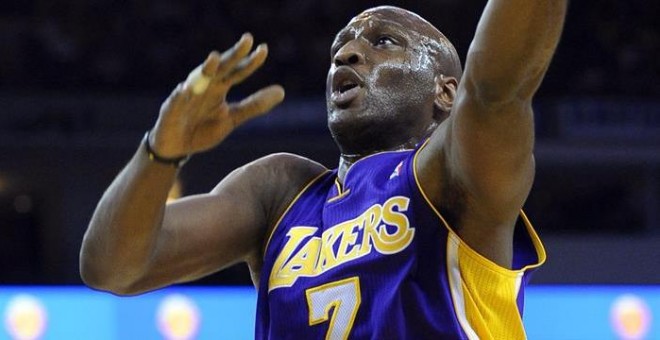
{"points": [[303, 263], [327, 257], [317, 254], [369, 232], [284, 278], [347, 238], [401, 238]]}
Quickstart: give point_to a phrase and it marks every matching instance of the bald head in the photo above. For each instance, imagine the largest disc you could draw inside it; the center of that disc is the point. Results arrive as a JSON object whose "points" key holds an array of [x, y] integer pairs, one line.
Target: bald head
{"points": [[391, 81], [434, 43]]}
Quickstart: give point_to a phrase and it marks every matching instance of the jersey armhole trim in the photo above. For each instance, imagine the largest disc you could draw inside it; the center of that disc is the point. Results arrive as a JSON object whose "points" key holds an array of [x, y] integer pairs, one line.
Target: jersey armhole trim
{"points": [[536, 241], [293, 201]]}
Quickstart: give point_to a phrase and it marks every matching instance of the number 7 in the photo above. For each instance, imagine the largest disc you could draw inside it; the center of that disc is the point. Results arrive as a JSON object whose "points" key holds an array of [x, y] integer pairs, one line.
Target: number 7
{"points": [[343, 297]]}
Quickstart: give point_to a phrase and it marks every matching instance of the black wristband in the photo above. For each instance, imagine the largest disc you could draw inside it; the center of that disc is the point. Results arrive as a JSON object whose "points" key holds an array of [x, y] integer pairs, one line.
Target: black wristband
{"points": [[154, 157]]}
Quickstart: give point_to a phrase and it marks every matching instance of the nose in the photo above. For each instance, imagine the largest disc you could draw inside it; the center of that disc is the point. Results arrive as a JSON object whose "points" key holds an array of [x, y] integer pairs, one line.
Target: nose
{"points": [[349, 54]]}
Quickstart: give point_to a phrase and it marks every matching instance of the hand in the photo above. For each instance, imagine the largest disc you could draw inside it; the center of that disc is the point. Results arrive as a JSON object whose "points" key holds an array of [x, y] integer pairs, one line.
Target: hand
{"points": [[191, 122]]}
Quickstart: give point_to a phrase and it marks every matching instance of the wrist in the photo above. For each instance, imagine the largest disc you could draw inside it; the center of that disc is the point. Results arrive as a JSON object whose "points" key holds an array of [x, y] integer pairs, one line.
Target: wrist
{"points": [[176, 162]]}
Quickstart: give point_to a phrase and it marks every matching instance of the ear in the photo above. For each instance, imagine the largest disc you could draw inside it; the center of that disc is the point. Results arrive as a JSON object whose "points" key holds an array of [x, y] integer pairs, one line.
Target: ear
{"points": [[445, 93]]}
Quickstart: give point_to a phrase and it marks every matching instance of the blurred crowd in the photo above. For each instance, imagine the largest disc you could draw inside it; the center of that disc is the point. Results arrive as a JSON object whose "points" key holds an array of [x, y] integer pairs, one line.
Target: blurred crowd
{"points": [[111, 60], [609, 48]]}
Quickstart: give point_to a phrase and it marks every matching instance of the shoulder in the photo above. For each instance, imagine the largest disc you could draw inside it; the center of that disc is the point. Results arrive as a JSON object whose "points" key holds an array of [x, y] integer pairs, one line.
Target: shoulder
{"points": [[278, 169], [285, 169], [279, 178], [289, 161], [276, 180], [269, 182]]}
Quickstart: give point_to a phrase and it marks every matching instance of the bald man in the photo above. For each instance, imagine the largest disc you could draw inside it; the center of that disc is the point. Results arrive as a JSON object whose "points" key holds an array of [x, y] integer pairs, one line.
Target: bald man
{"points": [[417, 234]]}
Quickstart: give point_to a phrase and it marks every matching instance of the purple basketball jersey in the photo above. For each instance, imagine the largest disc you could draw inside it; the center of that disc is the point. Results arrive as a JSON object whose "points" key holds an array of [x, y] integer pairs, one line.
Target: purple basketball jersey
{"points": [[374, 260]]}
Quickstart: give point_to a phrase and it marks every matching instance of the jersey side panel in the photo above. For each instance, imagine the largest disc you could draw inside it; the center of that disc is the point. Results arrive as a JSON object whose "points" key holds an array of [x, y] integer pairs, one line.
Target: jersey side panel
{"points": [[487, 298]]}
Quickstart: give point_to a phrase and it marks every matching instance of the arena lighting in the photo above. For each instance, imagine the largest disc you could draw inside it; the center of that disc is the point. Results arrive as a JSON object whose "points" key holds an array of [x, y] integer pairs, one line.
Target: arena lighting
{"points": [[25, 317], [178, 317], [630, 317], [584, 312]]}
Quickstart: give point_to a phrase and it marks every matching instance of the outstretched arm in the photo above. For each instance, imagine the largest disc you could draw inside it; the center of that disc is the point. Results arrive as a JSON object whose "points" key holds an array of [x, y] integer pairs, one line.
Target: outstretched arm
{"points": [[478, 166], [135, 242], [512, 48]]}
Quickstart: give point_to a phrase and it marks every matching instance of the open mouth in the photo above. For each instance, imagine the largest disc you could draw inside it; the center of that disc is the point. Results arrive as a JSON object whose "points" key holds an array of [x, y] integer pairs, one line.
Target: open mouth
{"points": [[346, 86]]}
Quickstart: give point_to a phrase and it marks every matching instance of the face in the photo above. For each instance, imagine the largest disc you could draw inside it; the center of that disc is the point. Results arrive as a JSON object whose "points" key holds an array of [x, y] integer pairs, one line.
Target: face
{"points": [[380, 88]]}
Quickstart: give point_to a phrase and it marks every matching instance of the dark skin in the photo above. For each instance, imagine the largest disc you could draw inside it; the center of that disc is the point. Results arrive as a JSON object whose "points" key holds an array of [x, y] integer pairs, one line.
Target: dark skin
{"points": [[477, 167]]}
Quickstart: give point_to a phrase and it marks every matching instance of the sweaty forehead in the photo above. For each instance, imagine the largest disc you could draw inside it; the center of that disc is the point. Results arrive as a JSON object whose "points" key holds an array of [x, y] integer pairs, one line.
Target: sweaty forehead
{"points": [[396, 17], [421, 34]]}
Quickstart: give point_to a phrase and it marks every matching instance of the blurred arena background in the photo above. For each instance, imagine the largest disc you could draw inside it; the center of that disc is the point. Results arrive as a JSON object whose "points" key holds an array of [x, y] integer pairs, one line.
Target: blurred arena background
{"points": [[81, 81]]}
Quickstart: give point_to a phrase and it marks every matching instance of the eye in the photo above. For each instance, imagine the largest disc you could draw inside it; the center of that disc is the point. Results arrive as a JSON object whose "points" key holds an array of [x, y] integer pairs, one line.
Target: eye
{"points": [[385, 40]]}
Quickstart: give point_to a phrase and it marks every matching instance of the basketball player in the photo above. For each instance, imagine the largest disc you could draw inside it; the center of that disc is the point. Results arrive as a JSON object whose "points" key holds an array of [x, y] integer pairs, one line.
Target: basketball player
{"points": [[419, 231]]}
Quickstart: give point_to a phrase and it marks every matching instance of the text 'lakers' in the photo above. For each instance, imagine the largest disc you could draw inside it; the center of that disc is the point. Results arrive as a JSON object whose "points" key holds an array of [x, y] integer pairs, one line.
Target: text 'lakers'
{"points": [[382, 227]]}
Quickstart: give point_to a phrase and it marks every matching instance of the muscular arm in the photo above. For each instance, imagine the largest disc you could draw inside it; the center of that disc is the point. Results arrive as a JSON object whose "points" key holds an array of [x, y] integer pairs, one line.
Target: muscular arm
{"points": [[135, 242], [483, 151]]}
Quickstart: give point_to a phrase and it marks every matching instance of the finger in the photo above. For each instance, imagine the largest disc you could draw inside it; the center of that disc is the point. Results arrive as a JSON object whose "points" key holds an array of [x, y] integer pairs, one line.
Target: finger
{"points": [[248, 65], [199, 78], [211, 64], [234, 55], [197, 82], [258, 103]]}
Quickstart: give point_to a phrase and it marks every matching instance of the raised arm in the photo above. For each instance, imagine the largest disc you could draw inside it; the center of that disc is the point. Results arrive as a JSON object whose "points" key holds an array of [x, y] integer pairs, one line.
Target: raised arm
{"points": [[478, 166], [512, 48], [135, 241]]}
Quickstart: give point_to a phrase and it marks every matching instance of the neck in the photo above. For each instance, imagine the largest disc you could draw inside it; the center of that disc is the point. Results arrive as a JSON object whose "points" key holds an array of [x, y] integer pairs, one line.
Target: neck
{"points": [[347, 160], [349, 155]]}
